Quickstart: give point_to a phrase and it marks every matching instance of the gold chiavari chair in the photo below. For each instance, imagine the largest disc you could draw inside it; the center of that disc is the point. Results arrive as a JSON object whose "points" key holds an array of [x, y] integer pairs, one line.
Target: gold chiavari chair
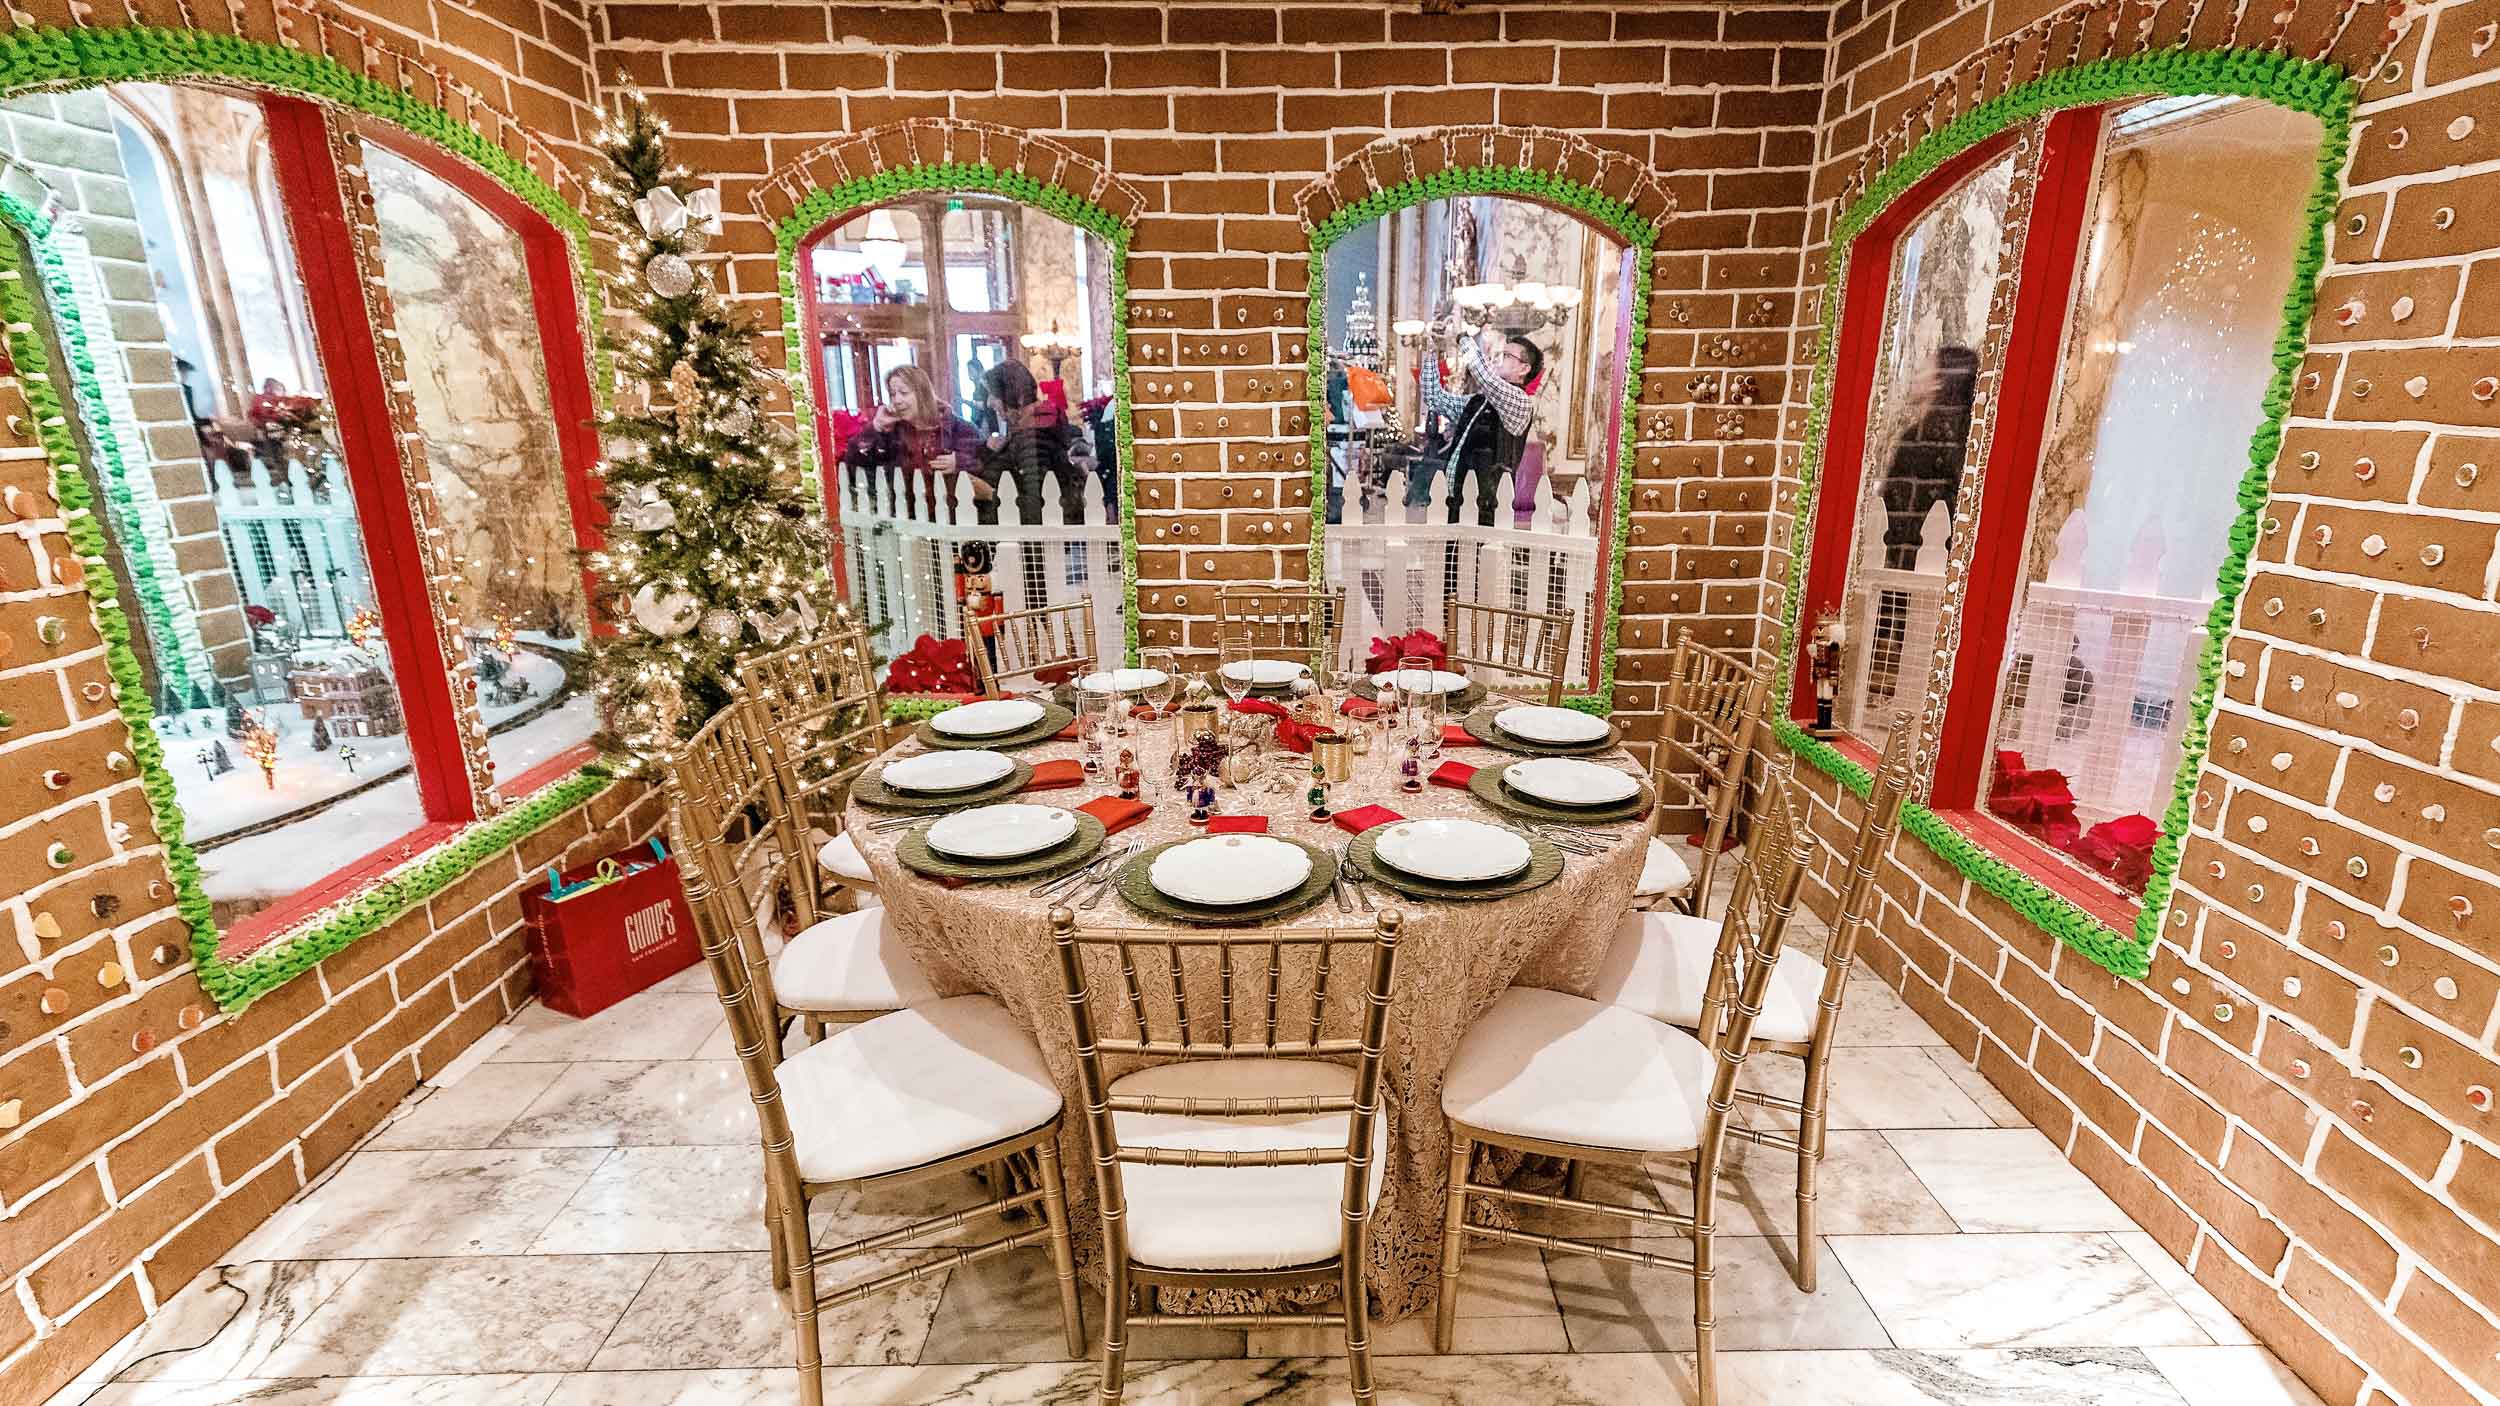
{"points": [[815, 714], [919, 1094], [1715, 706], [1028, 642], [1285, 622], [1219, 1171], [1672, 967], [1558, 1075], [1514, 646], [822, 710]]}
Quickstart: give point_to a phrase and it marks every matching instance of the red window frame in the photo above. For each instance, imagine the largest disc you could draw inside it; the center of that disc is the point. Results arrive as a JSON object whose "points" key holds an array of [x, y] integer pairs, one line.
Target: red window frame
{"points": [[319, 234], [2044, 276]]}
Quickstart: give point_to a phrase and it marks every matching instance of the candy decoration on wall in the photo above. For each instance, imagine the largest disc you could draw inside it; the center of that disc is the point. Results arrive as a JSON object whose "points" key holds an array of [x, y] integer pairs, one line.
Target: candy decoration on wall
{"points": [[59, 856]]}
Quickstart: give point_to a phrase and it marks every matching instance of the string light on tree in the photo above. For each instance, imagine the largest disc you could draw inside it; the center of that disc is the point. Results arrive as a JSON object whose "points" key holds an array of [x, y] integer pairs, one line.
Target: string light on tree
{"points": [[714, 549]]}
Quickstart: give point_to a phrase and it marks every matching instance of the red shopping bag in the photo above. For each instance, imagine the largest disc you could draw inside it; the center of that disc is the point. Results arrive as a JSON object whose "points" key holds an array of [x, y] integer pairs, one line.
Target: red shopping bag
{"points": [[598, 934]]}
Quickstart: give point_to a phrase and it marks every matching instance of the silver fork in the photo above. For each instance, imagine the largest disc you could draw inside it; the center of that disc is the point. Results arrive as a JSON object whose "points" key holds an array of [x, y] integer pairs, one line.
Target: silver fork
{"points": [[1092, 869], [1102, 886], [1353, 880]]}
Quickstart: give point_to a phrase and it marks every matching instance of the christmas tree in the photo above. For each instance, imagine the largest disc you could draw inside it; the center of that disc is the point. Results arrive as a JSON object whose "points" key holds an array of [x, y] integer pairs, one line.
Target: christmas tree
{"points": [[714, 548], [320, 736]]}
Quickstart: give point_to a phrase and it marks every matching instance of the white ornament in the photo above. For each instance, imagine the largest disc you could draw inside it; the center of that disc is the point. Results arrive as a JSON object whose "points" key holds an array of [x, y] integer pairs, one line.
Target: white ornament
{"points": [[722, 626], [739, 420], [665, 613], [663, 215], [669, 275]]}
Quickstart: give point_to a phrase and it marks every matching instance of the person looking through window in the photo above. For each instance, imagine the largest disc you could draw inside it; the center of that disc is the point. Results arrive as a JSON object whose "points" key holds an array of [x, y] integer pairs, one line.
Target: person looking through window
{"points": [[1490, 424], [1025, 448], [913, 430]]}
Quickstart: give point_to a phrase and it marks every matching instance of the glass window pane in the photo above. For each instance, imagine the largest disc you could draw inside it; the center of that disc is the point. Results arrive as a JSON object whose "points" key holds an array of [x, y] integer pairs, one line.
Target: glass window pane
{"points": [[2168, 351], [980, 253], [460, 292], [1944, 271], [875, 257], [230, 509]]}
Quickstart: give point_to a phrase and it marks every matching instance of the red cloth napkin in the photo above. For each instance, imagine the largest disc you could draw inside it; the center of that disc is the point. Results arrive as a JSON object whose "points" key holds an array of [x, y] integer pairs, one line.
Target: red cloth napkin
{"points": [[1457, 735], [1068, 733], [1116, 814], [1052, 776], [1355, 822], [1456, 774], [1237, 825], [1358, 708], [1290, 735]]}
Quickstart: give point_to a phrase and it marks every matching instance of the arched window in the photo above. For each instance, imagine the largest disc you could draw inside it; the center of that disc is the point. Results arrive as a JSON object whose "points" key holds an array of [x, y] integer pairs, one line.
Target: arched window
{"points": [[2128, 336], [240, 423]]}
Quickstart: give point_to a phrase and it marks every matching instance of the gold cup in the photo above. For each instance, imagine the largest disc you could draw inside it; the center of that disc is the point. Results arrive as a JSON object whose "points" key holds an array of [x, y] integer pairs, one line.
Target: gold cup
{"points": [[1197, 720], [1333, 752]]}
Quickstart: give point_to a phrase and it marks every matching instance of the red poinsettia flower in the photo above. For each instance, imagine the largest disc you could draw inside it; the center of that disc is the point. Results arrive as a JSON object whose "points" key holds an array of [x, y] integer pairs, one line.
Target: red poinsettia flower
{"points": [[931, 665], [2037, 801], [1386, 651], [2121, 849]]}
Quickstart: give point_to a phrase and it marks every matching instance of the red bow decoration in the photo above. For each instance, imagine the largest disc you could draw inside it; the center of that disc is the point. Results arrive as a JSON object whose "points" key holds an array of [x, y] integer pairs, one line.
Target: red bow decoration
{"points": [[932, 665], [1290, 735], [1386, 651], [2038, 802], [2121, 849], [844, 425]]}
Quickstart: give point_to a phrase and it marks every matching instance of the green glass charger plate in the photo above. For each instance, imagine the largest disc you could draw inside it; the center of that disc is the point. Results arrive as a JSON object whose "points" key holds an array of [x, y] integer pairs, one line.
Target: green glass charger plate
{"points": [[913, 849], [1136, 884], [1545, 865], [1461, 701], [1054, 717], [1480, 726], [1487, 786], [872, 792]]}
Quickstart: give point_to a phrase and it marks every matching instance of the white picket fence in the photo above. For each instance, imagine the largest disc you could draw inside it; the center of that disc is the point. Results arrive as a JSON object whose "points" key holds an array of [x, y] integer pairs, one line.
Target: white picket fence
{"points": [[1399, 563], [900, 532], [298, 555]]}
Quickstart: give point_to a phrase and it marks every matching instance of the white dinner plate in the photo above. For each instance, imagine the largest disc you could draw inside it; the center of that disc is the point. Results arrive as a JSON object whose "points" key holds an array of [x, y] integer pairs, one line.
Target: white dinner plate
{"points": [[994, 718], [1453, 851], [1442, 681], [1001, 832], [1556, 726], [1568, 781], [1264, 673], [938, 772], [1221, 870], [1121, 680]]}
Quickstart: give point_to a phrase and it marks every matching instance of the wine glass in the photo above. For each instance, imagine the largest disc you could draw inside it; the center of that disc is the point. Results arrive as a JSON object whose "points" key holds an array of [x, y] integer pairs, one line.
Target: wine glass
{"points": [[1159, 692], [1236, 667], [1420, 701]]}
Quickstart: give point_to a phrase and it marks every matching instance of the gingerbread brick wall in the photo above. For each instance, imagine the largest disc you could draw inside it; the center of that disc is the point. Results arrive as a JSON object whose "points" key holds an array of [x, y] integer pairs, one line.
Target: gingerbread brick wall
{"points": [[2297, 1102], [141, 1132], [1220, 115]]}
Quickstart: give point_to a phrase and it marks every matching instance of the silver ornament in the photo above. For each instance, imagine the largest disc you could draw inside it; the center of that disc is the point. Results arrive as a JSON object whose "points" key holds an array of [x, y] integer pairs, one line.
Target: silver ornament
{"points": [[645, 510], [739, 420], [722, 626], [669, 275]]}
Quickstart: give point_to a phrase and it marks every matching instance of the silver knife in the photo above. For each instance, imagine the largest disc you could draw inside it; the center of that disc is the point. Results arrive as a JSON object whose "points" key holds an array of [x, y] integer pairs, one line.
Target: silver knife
{"points": [[1353, 880]]}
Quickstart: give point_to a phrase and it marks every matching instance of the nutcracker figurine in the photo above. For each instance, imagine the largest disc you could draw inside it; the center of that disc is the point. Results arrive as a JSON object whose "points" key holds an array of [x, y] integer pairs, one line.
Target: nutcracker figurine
{"points": [[1411, 765], [1318, 794], [1126, 775], [974, 591], [1823, 662]]}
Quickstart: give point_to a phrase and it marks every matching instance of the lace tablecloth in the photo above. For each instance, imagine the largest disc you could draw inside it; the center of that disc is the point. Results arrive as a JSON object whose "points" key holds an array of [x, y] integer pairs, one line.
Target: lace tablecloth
{"points": [[1453, 960]]}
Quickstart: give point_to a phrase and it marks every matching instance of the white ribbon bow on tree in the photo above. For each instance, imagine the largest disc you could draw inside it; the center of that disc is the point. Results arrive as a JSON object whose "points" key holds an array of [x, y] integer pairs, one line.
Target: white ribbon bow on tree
{"points": [[664, 216]]}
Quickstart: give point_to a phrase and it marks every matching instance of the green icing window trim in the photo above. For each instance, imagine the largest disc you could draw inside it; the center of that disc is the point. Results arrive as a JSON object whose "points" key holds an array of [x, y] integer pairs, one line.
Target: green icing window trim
{"points": [[1617, 218], [821, 206], [2324, 91], [80, 58], [112, 471]]}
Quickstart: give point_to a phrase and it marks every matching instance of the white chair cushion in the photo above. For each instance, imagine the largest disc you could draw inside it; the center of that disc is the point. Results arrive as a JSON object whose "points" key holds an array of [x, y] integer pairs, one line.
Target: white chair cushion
{"points": [[850, 962], [1659, 965], [1664, 874], [914, 1087], [841, 855], [1239, 1217], [1540, 1064]]}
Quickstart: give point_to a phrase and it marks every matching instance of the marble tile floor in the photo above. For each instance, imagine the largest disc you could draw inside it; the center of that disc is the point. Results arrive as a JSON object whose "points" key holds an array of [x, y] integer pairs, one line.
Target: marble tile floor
{"points": [[573, 1218]]}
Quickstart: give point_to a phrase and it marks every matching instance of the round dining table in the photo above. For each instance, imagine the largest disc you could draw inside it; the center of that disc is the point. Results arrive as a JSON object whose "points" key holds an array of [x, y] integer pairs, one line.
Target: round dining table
{"points": [[1453, 959]]}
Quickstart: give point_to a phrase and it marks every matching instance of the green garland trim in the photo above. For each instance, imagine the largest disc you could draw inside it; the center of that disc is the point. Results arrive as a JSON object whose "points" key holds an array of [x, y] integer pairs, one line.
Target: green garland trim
{"points": [[112, 471], [84, 58], [1618, 218], [821, 206], [2323, 90]]}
